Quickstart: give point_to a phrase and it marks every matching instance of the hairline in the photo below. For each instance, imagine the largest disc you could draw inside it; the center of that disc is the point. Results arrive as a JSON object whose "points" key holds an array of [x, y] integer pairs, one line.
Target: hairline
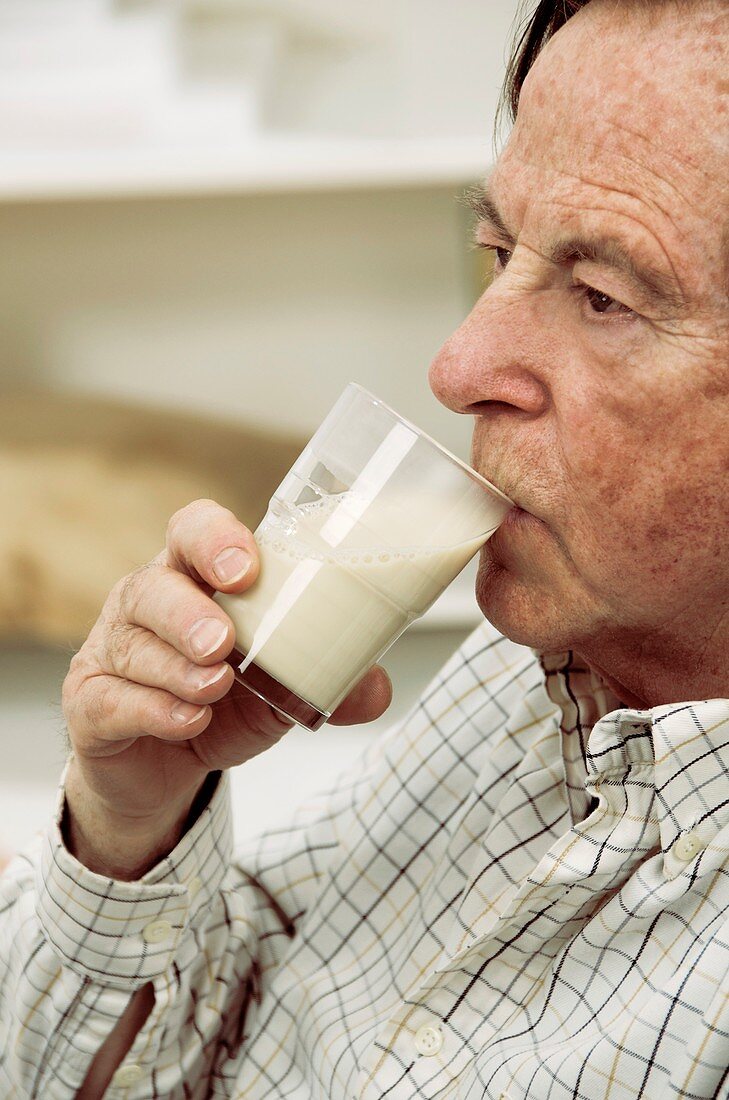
{"points": [[532, 32]]}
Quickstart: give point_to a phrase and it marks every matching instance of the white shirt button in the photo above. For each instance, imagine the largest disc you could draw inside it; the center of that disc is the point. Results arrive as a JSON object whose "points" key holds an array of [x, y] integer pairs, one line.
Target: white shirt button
{"points": [[428, 1040], [157, 931], [687, 846], [127, 1075], [193, 887]]}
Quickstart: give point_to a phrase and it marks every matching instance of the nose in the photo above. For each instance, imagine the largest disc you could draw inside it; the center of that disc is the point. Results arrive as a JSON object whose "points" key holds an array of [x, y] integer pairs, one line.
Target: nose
{"points": [[490, 365]]}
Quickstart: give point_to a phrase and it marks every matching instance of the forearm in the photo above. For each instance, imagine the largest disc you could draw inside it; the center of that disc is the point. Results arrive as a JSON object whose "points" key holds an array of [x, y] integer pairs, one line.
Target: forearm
{"points": [[82, 956], [118, 846]]}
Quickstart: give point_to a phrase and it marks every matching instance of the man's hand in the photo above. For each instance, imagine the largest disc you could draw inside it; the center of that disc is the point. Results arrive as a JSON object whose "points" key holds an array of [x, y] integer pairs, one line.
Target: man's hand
{"points": [[151, 705]]}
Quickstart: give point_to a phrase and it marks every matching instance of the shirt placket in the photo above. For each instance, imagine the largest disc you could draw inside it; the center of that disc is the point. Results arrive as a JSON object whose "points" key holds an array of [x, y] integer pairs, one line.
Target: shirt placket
{"points": [[482, 987]]}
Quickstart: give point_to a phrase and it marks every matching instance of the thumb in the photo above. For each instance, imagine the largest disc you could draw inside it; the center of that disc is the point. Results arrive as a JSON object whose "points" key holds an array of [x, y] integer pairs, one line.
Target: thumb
{"points": [[367, 700]]}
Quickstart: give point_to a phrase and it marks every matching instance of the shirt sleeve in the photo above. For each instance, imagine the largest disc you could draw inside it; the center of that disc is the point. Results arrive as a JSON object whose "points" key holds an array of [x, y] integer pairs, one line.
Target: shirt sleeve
{"points": [[208, 928]]}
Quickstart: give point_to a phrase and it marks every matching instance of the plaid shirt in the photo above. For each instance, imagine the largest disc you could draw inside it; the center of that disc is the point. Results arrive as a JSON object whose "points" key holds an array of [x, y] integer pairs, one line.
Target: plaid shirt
{"points": [[489, 906]]}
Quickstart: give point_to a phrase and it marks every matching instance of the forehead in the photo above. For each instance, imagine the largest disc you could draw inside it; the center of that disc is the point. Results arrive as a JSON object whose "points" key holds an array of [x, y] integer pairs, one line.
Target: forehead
{"points": [[658, 74], [626, 114]]}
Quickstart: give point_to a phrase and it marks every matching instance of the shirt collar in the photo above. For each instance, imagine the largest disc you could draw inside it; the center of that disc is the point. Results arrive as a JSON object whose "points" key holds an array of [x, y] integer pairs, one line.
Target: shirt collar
{"points": [[581, 699], [686, 744]]}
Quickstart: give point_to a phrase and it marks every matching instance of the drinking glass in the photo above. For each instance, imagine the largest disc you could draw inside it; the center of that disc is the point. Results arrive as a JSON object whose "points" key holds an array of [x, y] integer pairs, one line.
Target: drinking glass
{"points": [[364, 533]]}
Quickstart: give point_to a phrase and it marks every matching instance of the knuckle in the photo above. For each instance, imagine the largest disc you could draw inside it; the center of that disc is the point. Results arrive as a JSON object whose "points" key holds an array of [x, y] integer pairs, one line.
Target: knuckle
{"points": [[159, 560], [77, 665], [129, 592], [184, 515], [159, 721], [176, 520], [79, 669], [114, 599], [154, 718], [150, 659], [173, 670], [100, 706], [69, 690], [119, 638], [189, 517]]}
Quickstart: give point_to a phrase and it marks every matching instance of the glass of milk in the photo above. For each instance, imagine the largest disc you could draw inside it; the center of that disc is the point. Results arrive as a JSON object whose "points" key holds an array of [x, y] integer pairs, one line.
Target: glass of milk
{"points": [[364, 533]]}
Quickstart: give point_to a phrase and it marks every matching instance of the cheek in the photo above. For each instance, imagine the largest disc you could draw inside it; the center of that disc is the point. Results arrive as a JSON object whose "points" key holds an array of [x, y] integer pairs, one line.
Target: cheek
{"points": [[614, 418], [644, 517]]}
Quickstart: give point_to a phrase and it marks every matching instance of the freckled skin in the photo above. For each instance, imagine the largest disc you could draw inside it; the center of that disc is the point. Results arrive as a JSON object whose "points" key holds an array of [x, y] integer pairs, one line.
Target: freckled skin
{"points": [[611, 429]]}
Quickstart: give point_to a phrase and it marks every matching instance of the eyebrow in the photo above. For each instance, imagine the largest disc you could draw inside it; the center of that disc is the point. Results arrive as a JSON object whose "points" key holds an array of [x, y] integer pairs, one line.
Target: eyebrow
{"points": [[483, 205], [608, 251]]}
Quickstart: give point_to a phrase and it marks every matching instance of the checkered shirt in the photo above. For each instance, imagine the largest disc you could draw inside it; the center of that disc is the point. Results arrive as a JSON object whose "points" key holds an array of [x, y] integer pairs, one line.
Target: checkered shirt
{"points": [[522, 891]]}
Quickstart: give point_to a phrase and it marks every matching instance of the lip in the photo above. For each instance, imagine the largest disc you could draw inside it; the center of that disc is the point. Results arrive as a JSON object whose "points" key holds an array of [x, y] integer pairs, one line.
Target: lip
{"points": [[517, 517], [496, 481]]}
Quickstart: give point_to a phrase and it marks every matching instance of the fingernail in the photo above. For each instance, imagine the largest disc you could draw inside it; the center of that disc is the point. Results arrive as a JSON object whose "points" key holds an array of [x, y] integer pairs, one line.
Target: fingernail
{"points": [[185, 713], [231, 565], [198, 679], [206, 635]]}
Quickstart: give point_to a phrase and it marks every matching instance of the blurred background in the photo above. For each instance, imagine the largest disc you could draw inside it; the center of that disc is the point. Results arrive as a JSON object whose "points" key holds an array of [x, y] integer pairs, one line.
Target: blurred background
{"points": [[213, 215]]}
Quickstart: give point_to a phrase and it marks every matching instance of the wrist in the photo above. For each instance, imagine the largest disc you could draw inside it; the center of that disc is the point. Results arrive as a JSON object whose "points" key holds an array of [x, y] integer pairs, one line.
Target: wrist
{"points": [[118, 845]]}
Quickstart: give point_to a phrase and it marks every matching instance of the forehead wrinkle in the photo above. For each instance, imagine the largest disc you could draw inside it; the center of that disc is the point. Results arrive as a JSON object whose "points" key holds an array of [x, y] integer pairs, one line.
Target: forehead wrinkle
{"points": [[662, 284], [608, 251]]}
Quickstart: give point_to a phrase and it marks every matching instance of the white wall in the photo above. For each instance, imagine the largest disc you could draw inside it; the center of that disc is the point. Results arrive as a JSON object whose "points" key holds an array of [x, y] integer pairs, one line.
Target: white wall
{"points": [[254, 306], [258, 307]]}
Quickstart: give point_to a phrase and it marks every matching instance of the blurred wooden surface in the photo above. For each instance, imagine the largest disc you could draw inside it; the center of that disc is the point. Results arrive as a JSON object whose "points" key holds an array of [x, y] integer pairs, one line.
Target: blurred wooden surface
{"points": [[87, 486]]}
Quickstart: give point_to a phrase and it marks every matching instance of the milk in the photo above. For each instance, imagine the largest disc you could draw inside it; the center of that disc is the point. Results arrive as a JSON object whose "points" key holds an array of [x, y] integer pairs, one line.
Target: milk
{"points": [[338, 583]]}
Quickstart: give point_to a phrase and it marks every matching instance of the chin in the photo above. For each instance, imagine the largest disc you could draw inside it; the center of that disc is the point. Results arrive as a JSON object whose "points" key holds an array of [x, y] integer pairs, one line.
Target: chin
{"points": [[521, 610]]}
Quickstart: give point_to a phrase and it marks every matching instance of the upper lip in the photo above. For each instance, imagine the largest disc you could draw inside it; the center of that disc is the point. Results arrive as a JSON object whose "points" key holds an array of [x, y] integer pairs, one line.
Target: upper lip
{"points": [[507, 492], [515, 498]]}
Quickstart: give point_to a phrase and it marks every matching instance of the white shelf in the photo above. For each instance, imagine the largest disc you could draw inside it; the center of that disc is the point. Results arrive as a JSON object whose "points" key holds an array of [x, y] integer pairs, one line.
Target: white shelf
{"points": [[270, 165]]}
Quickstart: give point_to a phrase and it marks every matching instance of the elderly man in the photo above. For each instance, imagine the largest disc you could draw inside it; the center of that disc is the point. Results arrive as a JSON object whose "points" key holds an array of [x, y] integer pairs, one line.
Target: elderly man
{"points": [[520, 893]]}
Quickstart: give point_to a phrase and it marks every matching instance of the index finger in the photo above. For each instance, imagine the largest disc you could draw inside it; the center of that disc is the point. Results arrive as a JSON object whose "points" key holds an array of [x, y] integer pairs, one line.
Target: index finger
{"points": [[210, 544]]}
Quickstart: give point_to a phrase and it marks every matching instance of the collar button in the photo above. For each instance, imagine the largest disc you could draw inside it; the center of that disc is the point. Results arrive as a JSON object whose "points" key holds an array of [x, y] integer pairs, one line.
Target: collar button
{"points": [[157, 931]]}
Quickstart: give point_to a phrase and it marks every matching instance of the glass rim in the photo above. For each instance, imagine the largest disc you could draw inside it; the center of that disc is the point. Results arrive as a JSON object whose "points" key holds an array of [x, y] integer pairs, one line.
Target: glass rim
{"points": [[474, 474]]}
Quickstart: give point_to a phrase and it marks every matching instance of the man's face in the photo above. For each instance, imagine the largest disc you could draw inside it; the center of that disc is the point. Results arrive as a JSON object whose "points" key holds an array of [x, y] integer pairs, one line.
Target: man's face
{"points": [[601, 393]]}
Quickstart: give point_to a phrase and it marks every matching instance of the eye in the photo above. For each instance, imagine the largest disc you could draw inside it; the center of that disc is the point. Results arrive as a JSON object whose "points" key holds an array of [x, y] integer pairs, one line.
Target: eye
{"points": [[603, 303], [503, 255]]}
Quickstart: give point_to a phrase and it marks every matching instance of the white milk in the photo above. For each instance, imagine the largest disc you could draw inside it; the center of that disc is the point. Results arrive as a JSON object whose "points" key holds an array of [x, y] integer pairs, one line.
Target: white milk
{"points": [[319, 615]]}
